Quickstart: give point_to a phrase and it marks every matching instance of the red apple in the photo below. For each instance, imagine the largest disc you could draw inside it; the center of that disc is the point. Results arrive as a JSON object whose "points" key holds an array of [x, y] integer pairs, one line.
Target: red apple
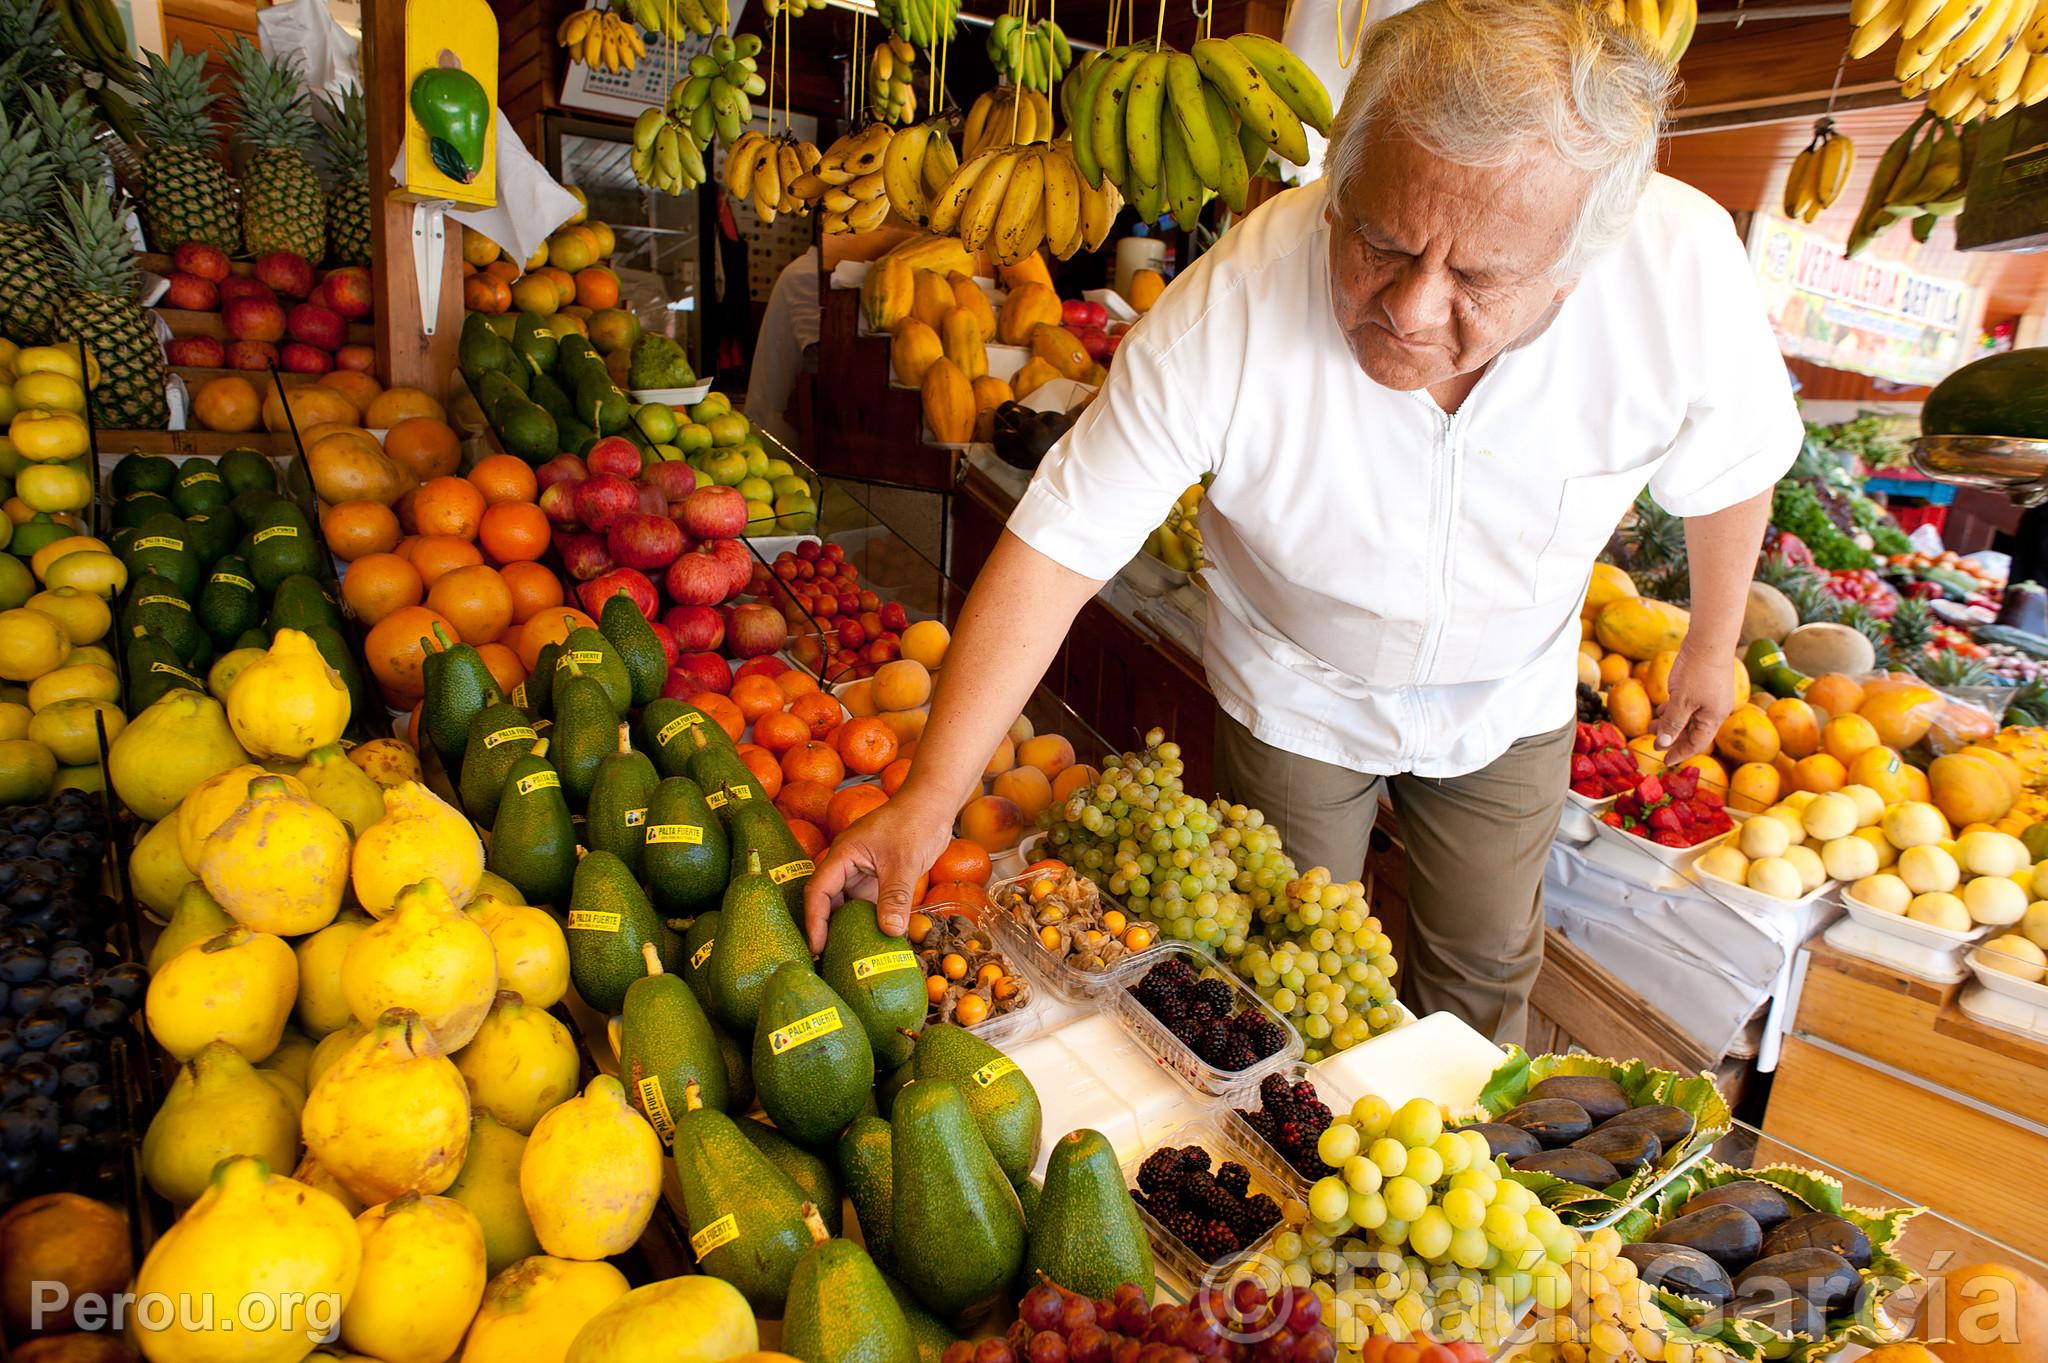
{"points": [[615, 455], [558, 502], [604, 587], [669, 650], [253, 319], [894, 617], [766, 666], [194, 293], [1077, 314], [698, 579], [197, 258], [753, 630], [201, 352], [359, 359], [290, 275], [583, 555], [1097, 343], [640, 540], [694, 672], [315, 325], [300, 358], [697, 629], [563, 468], [241, 286], [739, 564], [347, 291], [603, 498], [251, 355], [715, 512], [675, 479]]}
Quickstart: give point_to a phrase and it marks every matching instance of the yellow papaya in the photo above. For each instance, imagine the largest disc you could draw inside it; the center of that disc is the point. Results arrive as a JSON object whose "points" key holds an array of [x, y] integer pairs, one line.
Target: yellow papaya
{"points": [[1029, 306], [886, 294], [969, 295], [931, 297], [1638, 628], [1035, 374], [990, 393], [1061, 349], [1608, 583], [1030, 270], [948, 403], [960, 337], [912, 348]]}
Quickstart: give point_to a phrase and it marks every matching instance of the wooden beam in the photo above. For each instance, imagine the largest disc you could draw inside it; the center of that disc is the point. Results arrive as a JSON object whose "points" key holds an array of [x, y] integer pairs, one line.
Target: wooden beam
{"points": [[1729, 68], [405, 355]]}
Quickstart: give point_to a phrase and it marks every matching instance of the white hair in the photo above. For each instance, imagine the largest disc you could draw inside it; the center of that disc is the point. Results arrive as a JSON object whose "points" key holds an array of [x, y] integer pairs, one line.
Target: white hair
{"points": [[1478, 82]]}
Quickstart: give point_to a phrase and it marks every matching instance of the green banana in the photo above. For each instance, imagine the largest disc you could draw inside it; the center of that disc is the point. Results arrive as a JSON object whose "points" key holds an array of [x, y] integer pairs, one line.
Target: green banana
{"points": [[1085, 82], [1184, 190], [1232, 72], [1289, 78], [1106, 117], [1233, 178], [1199, 138], [1147, 200], [1142, 110]]}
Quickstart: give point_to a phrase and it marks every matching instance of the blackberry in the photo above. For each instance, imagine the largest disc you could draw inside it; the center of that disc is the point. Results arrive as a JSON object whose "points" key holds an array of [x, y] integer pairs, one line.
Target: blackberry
{"points": [[1163, 981], [1211, 1042], [1234, 1178], [1203, 1193], [1260, 1214], [1235, 1054], [1219, 1238], [1264, 1035], [1214, 996], [1160, 1169], [1292, 1119]]}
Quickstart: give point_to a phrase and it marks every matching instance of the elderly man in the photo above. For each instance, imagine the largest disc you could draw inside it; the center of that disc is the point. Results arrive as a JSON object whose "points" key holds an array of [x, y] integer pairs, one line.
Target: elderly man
{"points": [[1428, 387]]}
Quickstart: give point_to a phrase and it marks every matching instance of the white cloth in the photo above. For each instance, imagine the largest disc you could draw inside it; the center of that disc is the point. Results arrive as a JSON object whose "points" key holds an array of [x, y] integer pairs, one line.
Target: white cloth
{"points": [[789, 326], [328, 52], [1393, 589], [530, 204]]}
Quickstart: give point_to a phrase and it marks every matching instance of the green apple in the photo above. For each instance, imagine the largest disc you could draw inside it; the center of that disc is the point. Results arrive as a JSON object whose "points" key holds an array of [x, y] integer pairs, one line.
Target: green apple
{"points": [[760, 516], [704, 479], [757, 460], [668, 454], [779, 468], [714, 404], [728, 429], [795, 514], [789, 485], [756, 489], [657, 421], [693, 437], [727, 467]]}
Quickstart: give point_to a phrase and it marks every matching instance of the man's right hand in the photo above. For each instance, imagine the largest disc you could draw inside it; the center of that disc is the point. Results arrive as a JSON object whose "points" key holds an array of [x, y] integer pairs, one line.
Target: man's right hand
{"points": [[880, 858]]}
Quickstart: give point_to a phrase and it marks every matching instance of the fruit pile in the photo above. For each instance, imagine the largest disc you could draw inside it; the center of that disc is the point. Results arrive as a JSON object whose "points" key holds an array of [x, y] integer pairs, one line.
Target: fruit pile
{"points": [[1671, 810], [50, 644], [42, 397], [1912, 863], [566, 281], [1065, 915], [1054, 1323], [1585, 1130], [1202, 1012], [1214, 1214], [845, 631], [966, 980], [1291, 1118], [1602, 762], [282, 312], [1177, 542]]}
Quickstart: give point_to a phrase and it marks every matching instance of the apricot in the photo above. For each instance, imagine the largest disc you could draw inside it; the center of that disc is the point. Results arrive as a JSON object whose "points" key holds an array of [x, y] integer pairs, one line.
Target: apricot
{"points": [[859, 698], [1001, 760], [1026, 787], [994, 822], [901, 685], [907, 725], [1074, 778], [1049, 753], [925, 643]]}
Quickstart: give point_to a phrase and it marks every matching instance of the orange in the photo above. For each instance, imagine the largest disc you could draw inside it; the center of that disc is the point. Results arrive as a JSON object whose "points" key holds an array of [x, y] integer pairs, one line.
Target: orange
{"points": [[503, 478], [762, 763], [550, 626], [851, 804], [597, 287], [507, 270], [962, 860], [564, 282], [756, 696], [404, 507], [361, 389], [477, 249], [1836, 693], [894, 775], [797, 682], [394, 405], [504, 665], [375, 585], [475, 600], [1819, 773], [533, 589], [723, 711], [353, 529], [449, 506], [808, 836], [779, 731], [515, 532], [429, 448], [807, 800], [866, 745], [487, 291], [394, 649], [434, 555], [228, 404], [813, 761], [818, 710]]}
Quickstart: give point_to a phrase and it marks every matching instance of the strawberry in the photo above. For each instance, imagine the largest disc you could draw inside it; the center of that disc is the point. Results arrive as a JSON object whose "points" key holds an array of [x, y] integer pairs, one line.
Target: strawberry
{"points": [[1665, 819], [1650, 791], [1583, 769], [1671, 840]]}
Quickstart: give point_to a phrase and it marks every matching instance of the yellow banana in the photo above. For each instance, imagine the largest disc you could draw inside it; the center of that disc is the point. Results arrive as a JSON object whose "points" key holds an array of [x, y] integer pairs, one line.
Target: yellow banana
{"points": [[1878, 30], [788, 165], [903, 172], [1062, 202], [946, 204], [1837, 159], [1919, 14], [1022, 216], [1644, 17], [873, 185], [866, 217], [1862, 12], [838, 200], [1099, 207], [2034, 85], [1977, 34], [2035, 35], [978, 213]]}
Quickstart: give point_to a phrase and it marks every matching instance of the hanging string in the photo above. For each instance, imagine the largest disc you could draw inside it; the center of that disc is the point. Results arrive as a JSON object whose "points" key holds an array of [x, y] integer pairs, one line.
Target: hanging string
{"points": [[1159, 32], [1109, 39], [788, 53], [1017, 91], [1836, 88], [859, 62], [1357, 34]]}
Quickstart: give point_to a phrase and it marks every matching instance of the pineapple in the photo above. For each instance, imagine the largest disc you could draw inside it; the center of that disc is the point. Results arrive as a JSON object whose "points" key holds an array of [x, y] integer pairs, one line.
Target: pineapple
{"points": [[33, 54], [1806, 588], [70, 130], [28, 287], [348, 167], [100, 308], [1912, 626], [187, 195], [1952, 670], [282, 206], [1652, 543]]}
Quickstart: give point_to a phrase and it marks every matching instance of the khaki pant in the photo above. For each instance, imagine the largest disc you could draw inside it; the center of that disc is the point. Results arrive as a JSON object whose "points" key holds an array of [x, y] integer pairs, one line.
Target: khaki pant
{"points": [[1476, 850]]}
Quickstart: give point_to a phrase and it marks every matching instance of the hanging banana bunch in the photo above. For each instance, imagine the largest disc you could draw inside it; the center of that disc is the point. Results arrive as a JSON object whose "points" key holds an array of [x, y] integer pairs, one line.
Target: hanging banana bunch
{"points": [[601, 40], [1923, 175], [1013, 199], [1666, 25], [796, 9], [1033, 56], [892, 81], [666, 155], [921, 22], [716, 98], [1971, 59], [1818, 173], [765, 171], [1005, 115], [847, 185], [677, 19]]}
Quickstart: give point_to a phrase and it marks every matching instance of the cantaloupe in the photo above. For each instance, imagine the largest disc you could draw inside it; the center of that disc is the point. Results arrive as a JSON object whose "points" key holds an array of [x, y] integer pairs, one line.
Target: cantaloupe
{"points": [[1820, 647], [1768, 615]]}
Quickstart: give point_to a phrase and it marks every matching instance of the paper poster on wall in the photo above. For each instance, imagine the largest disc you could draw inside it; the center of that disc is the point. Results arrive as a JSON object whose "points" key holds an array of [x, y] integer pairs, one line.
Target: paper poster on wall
{"points": [[1875, 317], [626, 93]]}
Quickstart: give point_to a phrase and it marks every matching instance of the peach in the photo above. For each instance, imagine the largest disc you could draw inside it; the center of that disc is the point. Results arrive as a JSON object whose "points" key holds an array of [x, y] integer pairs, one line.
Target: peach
{"points": [[1021, 729], [1049, 753], [1076, 777], [859, 698], [925, 643], [907, 725], [994, 822], [1001, 760], [1028, 788], [901, 685]]}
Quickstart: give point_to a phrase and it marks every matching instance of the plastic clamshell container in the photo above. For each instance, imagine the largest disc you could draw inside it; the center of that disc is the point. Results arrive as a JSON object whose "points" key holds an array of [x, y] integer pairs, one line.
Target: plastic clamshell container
{"points": [[1912, 929], [1677, 858], [690, 396], [1234, 1124], [1174, 1262], [1071, 984], [1742, 896], [1999, 982], [1163, 1046], [1018, 1024], [1009, 865]]}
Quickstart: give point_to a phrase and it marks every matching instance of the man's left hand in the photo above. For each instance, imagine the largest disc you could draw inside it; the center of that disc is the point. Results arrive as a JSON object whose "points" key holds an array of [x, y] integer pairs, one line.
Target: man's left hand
{"points": [[1702, 693]]}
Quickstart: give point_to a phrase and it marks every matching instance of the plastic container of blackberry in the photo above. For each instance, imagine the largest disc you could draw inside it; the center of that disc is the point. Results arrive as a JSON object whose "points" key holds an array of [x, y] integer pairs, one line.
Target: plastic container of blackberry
{"points": [[1153, 1036], [1090, 987], [1240, 1129], [1179, 1266]]}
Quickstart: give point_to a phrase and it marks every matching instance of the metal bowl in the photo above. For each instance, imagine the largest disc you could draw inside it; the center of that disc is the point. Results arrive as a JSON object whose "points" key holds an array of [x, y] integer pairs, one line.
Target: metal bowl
{"points": [[2014, 465]]}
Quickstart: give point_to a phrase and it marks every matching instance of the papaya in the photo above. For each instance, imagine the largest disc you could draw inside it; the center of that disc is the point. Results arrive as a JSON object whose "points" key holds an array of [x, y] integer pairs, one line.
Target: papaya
{"points": [[931, 297], [1029, 306], [948, 403], [912, 348], [1639, 629], [1061, 349], [960, 337], [1035, 374], [968, 296], [1607, 584]]}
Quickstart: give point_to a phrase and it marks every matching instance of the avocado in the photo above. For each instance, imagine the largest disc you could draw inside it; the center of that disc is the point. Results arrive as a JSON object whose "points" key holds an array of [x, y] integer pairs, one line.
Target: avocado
{"points": [[671, 732], [130, 512], [211, 535], [281, 542], [572, 434], [609, 921], [840, 1311], [246, 470], [533, 842], [139, 473], [686, 858], [481, 351], [945, 1179], [599, 401], [892, 1084], [812, 1175], [865, 1159], [739, 1078], [536, 694], [199, 488], [1029, 1194], [927, 1331], [666, 1043], [616, 819], [227, 605], [729, 786], [586, 731], [157, 605], [159, 548], [458, 686], [639, 651], [499, 735], [300, 603], [755, 939], [813, 1066], [745, 1216], [247, 504], [879, 978], [363, 703], [1729, 1236], [154, 667], [256, 637], [590, 653], [535, 344], [999, 1095], [758, 826], [1600, 1096], [1085, 1233], [529, 432], [695, 952]]}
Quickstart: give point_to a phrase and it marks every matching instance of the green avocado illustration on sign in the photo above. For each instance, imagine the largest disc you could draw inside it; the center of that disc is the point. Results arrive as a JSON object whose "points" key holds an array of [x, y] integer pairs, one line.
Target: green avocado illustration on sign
{"points": [[455, 111]]}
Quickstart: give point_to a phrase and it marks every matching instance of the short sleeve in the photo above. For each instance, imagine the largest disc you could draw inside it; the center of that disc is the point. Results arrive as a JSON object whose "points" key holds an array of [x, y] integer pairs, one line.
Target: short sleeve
{"points": [[1742, 430], [1110, 480]]}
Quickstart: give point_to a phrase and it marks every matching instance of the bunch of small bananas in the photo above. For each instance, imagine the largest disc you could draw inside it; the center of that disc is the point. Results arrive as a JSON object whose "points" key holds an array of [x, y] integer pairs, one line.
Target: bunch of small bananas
{"points": [[892, 81], [678, 19], [1007, 115], [1178, 542], [1818, 173], [1014, 199], [1168, 127], [846, 184], [1030, 55], [915, 167], [766, 170], [1923, 175], [922, 22], [715, 98], [1971, 58], [666, 155], [1666, 25], [601, 40]]}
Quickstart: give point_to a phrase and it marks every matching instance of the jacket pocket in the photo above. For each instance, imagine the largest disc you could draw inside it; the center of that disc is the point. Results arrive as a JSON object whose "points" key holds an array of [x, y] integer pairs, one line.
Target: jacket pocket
{"points": [[1589, 508]]}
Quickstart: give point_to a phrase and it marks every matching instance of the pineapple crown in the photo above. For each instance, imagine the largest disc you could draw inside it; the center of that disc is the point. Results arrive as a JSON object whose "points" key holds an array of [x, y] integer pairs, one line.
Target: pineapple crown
{"points": [[270, 95], [29, 36], [92, 241], [71, 132], [346, 135], [177, 101], [28, 175]]}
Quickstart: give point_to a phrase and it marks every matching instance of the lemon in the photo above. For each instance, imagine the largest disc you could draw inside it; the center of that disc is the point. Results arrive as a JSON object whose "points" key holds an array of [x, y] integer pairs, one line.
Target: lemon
{"points": [[26, 770], [31, 643], [70, 730], [74, 681], [39, 562], [85, 617], [56, 392], [13, 720], [89, 570]]}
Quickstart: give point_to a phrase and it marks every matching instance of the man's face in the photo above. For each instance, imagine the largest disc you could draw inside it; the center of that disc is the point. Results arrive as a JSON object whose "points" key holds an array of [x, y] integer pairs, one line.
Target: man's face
{"points": [[1437, 268]]}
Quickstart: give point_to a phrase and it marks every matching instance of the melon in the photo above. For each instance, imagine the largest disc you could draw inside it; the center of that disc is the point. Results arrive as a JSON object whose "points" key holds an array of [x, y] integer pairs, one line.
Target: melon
{"points": [[1768, 615], [1817, 648]]}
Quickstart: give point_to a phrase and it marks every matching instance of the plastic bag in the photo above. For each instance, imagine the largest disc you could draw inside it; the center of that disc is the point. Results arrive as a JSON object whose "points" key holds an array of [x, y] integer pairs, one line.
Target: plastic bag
{"points": [[332, 60]]}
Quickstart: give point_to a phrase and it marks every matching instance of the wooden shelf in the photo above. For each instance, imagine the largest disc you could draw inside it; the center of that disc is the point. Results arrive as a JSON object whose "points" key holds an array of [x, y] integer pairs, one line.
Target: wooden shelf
{"points": [[194, 375], [211, 444], [184, 322]]}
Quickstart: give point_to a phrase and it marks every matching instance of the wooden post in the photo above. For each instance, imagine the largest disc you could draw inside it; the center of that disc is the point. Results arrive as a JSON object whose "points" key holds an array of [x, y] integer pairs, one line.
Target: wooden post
{"points": [[405, 356]]}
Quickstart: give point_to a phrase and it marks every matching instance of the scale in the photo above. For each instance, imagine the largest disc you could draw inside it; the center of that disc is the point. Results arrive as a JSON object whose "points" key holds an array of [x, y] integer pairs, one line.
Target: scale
{"points": [[2014, 465], [1936, 965]]}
